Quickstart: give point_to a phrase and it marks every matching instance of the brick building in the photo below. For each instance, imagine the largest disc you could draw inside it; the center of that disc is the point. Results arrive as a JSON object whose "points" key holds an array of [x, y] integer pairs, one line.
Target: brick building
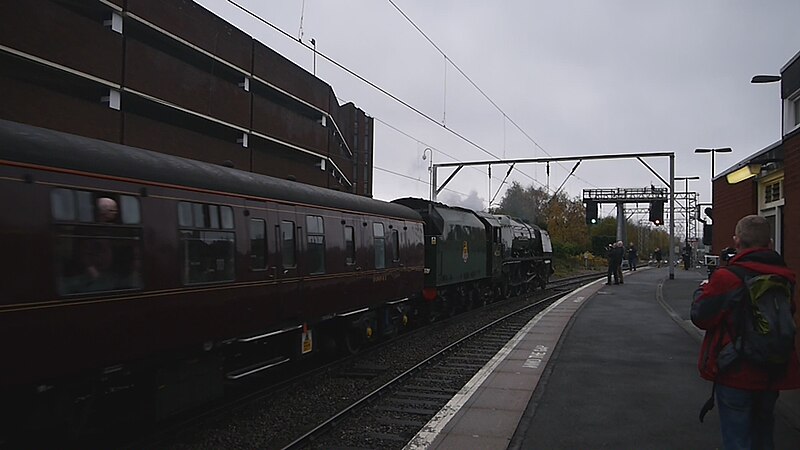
{"points": [[170, 76], [767, 182]]}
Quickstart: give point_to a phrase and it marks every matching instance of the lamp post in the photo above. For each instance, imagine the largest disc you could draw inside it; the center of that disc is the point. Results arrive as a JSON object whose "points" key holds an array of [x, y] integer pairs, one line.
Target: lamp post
{"points": [[763, 79], [314, 44], [430, 169], [713, 152]]}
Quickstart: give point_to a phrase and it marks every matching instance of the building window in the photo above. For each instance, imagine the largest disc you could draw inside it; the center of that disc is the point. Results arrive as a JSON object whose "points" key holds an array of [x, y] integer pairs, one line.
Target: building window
{"points": [[258, 244], [287, 244], [207, 249], [97, 243], [791, 113], [795, 112], [349, 245], [772, 192], [380, 245], [315, 239]]}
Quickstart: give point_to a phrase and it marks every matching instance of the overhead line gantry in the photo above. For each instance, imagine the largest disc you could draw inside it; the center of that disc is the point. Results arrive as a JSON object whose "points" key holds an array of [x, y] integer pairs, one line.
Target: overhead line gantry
{"points": [[435, 189]]}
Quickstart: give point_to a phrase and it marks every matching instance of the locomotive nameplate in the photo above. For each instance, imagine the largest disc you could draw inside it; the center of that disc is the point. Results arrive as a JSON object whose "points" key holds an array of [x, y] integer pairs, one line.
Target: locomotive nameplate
{"points": [[307, 342]]}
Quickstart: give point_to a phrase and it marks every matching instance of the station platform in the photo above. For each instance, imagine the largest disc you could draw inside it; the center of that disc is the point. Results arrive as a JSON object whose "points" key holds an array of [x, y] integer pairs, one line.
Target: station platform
{"points": [[607, 366]]}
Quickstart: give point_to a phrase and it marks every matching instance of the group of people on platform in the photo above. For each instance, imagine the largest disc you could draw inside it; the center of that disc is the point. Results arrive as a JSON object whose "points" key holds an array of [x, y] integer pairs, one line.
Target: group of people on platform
{"points": [[615, 254]]}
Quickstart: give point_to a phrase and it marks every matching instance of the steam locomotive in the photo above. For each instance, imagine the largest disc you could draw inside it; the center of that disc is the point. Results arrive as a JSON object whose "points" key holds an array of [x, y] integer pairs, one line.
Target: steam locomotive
{"points": [[127, 270]]}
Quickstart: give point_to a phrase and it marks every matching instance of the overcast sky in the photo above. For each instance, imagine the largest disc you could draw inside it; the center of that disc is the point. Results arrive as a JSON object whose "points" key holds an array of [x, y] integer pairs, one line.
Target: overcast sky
{"points": [[578, 77]]}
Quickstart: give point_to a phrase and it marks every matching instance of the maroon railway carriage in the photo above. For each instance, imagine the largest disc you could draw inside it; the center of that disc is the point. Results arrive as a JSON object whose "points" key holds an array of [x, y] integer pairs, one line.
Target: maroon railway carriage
{"points": [[202, 270]]}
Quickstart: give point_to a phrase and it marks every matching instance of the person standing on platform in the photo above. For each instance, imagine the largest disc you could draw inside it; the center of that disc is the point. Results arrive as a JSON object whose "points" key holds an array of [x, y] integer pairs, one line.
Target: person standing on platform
{"points": [[614, 256], [619, 249], [657, 256], [731, 306], [633, 257], [687, 256]]}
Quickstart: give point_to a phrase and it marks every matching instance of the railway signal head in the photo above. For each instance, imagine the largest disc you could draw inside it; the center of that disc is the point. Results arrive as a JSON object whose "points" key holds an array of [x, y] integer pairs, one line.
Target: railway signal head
{"points": [[657, 212], [591, 213]]}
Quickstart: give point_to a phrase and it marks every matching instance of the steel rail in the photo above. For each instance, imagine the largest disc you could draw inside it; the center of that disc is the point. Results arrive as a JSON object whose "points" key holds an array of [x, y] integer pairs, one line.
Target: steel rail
{"points": [[319, 429]]}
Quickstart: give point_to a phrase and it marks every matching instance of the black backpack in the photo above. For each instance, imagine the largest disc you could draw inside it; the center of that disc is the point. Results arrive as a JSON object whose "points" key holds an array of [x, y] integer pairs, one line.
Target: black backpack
{"points": [[763, 329]]}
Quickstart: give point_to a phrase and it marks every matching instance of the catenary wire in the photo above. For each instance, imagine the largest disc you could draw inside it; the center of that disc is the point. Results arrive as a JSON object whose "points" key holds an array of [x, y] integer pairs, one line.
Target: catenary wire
{"points": [[370, 83], [486, 96], [417, 180], [442, 151]]}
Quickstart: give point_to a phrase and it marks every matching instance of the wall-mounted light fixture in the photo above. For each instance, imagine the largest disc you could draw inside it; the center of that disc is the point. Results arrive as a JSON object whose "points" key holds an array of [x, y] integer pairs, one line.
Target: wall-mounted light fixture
{"points": [[743, 173]]}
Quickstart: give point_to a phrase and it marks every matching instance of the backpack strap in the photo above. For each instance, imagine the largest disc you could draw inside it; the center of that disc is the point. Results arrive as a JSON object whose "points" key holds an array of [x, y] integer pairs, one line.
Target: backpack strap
{"points": [[739, 271], [739, 308], [709, 404]]}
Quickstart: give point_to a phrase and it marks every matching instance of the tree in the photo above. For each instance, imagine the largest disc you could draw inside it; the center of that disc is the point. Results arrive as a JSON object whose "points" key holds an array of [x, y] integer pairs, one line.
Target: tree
{"points": [[524, 203], [565, 223]]}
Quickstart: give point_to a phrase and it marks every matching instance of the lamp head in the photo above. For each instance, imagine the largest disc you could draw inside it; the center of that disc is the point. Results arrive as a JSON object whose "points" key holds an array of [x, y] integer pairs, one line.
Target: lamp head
{"points": [[713, 150], [759, 79]]}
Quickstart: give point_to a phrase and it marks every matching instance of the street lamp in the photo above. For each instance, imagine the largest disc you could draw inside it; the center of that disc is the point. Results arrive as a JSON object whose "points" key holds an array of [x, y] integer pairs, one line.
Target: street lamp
{"points": [[713, 152], [314, 44], [762, 79], [430, 169]]}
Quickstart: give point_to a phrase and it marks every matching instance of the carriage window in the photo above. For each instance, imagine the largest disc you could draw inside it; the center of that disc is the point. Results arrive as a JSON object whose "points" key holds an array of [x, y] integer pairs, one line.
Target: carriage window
{"points": [[199, 215], [94, 253], [94, 207], [213, 216], [258, 244], [129, 209], [287, 244], [227, 217], [97, 259], [206, 252], [85, 207], [315, 238], [349, 245], [394, 245], [62, 204], [380, 245], [185, 214]]}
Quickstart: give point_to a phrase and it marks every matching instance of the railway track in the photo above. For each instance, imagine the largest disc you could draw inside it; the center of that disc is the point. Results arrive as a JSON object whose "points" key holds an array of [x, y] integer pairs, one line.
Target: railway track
{"points": [[389, 416], [425, 367]]}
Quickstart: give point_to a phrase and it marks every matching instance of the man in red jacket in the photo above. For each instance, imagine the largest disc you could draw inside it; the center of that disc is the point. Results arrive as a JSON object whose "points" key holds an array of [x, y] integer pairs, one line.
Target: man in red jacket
{"points": [[746, 392]]}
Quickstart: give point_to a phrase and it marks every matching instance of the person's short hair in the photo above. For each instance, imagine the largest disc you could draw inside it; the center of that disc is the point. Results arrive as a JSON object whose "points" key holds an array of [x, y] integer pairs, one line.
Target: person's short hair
{"points": [[753, 231]]}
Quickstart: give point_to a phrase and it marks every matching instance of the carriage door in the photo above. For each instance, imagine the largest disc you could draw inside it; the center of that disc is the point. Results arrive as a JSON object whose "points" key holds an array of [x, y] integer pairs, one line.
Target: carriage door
{"points": [[287, 227], [287, 238]]}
